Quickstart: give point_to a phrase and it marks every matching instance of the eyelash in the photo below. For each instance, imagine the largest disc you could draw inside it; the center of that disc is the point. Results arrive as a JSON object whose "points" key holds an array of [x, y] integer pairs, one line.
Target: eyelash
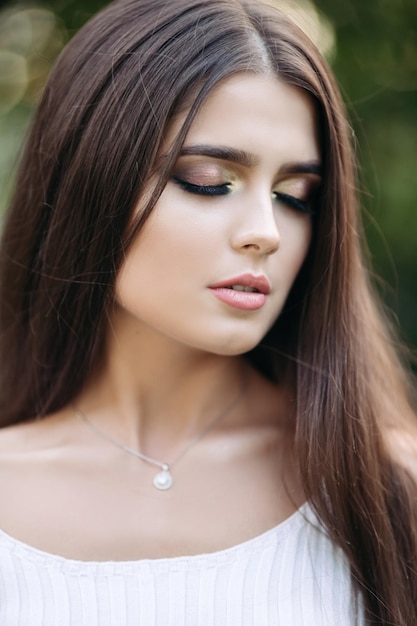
{"points": [[203, 190], [294, 203], [224, 189]]}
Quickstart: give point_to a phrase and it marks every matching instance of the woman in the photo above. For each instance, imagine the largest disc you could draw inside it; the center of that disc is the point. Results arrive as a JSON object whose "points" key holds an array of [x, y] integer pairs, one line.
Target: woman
{"points": [[226, 434]]}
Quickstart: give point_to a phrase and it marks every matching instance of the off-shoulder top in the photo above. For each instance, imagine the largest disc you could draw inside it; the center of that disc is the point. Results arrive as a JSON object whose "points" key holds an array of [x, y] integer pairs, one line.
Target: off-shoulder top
{"points": [[291, 575]]}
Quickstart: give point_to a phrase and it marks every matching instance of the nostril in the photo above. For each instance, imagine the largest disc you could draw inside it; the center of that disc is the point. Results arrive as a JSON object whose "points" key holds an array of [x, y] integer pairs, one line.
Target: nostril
{"points": [[253, 246]]}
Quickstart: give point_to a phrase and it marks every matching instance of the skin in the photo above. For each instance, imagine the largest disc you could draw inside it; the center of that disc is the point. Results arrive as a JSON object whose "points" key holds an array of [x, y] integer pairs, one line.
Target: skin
{"points": [[241, 231], [173, 356]]}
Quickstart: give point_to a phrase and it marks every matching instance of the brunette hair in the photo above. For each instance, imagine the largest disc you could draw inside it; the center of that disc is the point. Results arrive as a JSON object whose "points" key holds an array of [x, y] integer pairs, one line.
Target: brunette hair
{"points": [[93, 147]]}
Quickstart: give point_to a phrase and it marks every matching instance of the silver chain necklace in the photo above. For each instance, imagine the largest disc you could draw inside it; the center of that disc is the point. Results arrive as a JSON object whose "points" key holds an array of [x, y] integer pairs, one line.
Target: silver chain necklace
{"points": [[163, 480]]}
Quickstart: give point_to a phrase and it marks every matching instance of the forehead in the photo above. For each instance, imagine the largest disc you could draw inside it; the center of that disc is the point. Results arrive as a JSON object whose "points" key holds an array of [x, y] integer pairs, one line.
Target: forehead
{"points": [[258, 114]]}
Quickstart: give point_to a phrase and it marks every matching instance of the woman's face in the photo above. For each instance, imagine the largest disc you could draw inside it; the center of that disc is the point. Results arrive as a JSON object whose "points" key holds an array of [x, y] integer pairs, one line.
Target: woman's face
{"points": [[215, 261]]}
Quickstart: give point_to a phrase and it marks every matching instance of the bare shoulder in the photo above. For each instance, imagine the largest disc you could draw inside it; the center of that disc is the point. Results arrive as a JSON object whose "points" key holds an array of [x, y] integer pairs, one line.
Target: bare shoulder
{"points": [[402, 446], [19, 439], [33, 438]]}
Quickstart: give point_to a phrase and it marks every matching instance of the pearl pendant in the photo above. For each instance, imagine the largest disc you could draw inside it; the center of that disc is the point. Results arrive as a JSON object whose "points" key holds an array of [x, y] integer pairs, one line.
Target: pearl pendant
{"points": [[163, 480]]}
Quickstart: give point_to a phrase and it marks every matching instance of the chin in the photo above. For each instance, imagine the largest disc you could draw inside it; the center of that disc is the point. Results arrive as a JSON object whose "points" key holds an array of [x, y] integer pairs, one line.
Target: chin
{"points": [[234, 346]]}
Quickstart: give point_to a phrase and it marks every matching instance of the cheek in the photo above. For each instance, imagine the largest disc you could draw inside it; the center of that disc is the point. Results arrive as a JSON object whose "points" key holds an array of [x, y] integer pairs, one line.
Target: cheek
{"points": [[296, 236], [163, 253], [305, 238]]}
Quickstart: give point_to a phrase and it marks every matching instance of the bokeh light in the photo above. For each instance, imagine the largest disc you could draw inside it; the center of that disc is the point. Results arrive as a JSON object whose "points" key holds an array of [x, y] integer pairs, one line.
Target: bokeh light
{"points": [[30, 40], [316, 25]]}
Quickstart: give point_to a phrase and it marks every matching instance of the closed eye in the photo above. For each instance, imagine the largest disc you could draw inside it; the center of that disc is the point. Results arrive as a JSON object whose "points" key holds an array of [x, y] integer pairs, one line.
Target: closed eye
{"points": [[294, 203], [203, 190]]}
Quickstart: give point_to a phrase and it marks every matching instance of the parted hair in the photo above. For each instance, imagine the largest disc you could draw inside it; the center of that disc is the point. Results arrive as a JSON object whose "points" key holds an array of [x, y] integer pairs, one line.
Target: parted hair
{"points": [[93, 147]]}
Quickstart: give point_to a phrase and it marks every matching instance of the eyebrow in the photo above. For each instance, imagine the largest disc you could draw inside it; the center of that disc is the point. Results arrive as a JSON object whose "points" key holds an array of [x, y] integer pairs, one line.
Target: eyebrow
{"points": [[222, 152], [247, 159]]}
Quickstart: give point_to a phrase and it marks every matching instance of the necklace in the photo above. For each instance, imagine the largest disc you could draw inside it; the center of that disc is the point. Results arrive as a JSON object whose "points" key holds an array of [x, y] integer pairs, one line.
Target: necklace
{"points": [[163, 480]]}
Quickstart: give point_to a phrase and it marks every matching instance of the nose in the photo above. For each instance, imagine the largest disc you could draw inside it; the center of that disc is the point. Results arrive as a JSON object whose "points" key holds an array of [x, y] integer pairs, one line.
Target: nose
{"points": [[257, 229]]}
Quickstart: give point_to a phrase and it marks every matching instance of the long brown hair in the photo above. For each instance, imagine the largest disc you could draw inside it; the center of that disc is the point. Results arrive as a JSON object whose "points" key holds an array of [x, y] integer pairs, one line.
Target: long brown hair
{"points": [[93, 146]]}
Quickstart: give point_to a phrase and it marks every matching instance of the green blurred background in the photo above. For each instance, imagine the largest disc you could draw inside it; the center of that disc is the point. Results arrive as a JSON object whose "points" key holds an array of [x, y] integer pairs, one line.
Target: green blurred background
{"points": [[372, 47]]}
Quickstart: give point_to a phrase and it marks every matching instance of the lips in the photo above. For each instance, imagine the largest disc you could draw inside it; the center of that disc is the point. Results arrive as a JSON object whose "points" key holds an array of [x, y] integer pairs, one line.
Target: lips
{"points": [[259, 283], [246, 292]]}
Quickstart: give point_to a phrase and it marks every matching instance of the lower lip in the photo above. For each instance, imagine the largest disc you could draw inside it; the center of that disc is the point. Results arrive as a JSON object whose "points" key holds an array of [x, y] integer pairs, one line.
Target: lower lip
{"points": [[243, 300]]}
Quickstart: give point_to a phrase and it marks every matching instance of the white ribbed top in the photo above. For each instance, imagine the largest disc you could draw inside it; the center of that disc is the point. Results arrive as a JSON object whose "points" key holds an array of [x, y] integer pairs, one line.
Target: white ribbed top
{"points": [[291, 575]]}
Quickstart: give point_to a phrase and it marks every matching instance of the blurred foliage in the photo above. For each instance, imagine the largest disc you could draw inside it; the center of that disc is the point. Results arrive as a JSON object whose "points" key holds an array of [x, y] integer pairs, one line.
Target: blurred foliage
{"points": [[372, 47], [376, 65]]}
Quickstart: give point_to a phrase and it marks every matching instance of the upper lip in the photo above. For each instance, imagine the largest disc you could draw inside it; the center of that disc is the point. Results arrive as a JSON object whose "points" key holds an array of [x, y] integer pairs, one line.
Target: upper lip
{"points": [[261, 283]]}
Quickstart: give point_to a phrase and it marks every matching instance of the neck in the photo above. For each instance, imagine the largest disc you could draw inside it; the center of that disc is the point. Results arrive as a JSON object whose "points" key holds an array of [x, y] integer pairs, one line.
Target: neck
{"points": [[157, 395]]}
